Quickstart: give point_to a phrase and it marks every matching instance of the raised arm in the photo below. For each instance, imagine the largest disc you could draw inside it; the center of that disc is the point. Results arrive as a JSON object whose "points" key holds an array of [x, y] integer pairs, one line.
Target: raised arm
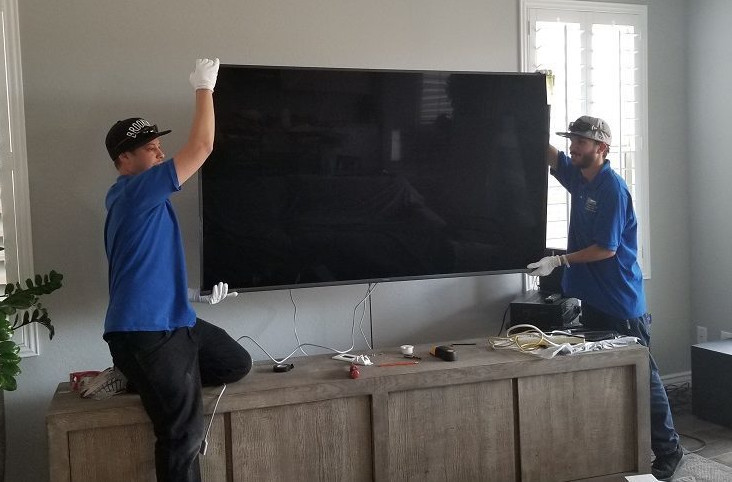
{"points": [[552, 155], [201, 137]]}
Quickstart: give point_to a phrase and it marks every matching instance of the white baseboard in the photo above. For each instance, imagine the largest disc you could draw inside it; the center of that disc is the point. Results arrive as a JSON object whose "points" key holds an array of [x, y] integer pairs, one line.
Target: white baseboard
{"points": [[674, 378]]}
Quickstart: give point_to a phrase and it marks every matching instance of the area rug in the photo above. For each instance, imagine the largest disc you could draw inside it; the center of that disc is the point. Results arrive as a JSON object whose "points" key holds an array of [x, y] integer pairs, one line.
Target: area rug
{"points": [[695, 468]]}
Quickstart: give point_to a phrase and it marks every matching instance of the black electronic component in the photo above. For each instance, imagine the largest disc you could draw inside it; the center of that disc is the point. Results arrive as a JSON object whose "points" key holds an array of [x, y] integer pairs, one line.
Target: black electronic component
{"points": [[444, 352], [283, 367], [545, 311]]}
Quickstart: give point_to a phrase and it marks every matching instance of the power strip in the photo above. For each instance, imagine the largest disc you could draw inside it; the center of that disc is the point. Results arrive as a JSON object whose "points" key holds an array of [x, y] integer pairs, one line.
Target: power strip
{"points": [[354, 359], [346, 357]]}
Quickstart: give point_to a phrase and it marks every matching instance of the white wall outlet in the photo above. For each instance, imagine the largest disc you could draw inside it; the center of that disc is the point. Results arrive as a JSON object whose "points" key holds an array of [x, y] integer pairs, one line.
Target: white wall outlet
{"points": [[725, 335], [701, 334]]}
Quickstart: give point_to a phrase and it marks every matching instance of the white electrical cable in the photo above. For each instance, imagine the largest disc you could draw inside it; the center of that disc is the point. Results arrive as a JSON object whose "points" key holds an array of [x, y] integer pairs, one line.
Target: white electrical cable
{"points": [[531, 338], [294, 324], [369, 291], [531, 329], [204, 445]]}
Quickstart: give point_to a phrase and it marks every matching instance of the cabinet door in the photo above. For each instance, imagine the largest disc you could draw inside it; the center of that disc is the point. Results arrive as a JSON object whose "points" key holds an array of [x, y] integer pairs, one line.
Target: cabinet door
{"points": [[118, 453], [456, 432], [327, 440], [578, 425], [126, 453]]}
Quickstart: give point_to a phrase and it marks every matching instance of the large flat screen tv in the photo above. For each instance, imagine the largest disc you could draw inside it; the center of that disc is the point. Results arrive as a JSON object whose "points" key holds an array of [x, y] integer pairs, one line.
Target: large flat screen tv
{"points": [[331, 176]]}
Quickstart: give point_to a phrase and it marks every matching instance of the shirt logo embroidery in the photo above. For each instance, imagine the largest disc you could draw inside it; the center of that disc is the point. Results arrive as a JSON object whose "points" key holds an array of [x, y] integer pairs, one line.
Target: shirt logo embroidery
{"points": [[590, 205]]}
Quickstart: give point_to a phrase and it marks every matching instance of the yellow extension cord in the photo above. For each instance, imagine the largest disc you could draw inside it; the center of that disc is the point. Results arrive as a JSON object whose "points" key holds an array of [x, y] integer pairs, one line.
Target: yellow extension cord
{"points": [[532, 338]]}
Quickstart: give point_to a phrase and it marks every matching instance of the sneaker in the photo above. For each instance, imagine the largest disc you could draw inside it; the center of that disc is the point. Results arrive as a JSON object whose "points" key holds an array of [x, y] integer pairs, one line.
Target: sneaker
{"points": [[665, 465], [108, 383]]}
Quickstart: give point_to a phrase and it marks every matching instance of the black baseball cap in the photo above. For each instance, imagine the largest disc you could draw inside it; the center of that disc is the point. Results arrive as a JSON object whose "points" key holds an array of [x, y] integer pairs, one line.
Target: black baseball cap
{"points": [[129, 134]]}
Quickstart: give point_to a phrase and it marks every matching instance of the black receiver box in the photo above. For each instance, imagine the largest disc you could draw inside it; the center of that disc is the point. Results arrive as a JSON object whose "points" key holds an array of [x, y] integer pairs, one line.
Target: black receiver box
{"points": [[537, 308], [711, 377]]}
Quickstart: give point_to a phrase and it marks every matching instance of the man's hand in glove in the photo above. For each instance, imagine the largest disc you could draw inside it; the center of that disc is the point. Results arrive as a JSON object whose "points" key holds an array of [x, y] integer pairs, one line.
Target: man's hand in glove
{"points": [[205, 73], [219, 292], [544, 266]]}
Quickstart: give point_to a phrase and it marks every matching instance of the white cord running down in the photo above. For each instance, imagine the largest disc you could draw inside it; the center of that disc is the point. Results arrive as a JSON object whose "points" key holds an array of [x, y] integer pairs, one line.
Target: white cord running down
{"points": [[294, 324], [369, 292], [204, 444]]}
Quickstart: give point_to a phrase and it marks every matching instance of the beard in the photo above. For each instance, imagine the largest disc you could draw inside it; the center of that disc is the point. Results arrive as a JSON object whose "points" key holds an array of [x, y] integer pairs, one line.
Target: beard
{"points": [[583, 161]]}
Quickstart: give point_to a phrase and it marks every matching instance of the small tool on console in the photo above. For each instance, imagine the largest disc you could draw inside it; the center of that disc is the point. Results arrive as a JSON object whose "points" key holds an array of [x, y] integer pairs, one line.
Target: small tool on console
{"points": [[399, 363], [444, 352]]}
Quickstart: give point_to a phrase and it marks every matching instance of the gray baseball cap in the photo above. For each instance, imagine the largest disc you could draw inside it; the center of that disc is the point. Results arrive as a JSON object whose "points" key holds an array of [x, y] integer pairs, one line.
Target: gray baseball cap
{"points": [[590, 127]]}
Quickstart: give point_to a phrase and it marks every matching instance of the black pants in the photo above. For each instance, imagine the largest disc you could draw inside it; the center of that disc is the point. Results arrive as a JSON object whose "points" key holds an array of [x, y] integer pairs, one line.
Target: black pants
{"points": [[167, 369]]}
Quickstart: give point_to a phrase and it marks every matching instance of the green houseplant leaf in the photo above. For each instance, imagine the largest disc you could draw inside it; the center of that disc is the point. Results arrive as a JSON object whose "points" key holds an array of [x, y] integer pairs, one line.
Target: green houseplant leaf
{"points": [[22, 306]]}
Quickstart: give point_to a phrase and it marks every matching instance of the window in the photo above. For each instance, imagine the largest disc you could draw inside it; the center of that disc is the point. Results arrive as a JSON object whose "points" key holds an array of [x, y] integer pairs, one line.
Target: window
{"points": [[597, 55], [16, 261]]}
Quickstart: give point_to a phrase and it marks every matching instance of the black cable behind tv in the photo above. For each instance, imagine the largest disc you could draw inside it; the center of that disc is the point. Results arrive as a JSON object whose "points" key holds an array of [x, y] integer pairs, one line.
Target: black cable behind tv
{"points": [[333, 176]]}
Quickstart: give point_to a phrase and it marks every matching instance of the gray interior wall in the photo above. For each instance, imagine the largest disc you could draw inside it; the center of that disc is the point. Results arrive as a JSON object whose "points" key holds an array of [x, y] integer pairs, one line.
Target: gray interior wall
{"points": [[668, 292], [88, 63], [710, 105]]}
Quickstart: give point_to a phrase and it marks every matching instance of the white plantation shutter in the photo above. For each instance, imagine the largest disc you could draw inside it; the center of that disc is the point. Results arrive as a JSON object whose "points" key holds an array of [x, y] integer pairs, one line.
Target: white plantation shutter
{"points": [[597, 54], [15, 226], [3, 276]]}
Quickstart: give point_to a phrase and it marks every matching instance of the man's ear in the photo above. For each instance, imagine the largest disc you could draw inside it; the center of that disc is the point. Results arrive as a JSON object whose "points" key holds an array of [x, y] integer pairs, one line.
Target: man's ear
{"points": [[604, 148], [122, 162]]}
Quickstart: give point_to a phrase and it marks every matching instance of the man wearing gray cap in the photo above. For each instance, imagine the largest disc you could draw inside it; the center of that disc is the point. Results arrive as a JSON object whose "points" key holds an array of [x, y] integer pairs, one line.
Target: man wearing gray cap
{"points": [[601, 264]]}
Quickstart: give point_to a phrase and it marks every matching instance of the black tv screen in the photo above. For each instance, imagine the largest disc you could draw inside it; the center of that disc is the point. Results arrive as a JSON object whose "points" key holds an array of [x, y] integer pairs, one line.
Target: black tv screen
{"points": [[330, 176]]}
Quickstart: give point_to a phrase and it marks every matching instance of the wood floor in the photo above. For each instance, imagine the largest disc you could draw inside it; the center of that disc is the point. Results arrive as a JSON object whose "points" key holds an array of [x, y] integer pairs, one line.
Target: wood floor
{"points": [[716, 440]]}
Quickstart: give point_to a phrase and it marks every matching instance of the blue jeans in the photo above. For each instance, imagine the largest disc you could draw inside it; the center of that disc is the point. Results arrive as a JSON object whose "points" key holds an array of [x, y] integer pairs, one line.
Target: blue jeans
{"points": [[664, 438], [167, 369]]}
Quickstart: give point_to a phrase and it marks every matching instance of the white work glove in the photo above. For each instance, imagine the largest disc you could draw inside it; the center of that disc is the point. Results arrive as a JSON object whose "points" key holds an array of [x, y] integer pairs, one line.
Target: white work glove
{"points": [[204, 76], [544, 266], [219, 292]]}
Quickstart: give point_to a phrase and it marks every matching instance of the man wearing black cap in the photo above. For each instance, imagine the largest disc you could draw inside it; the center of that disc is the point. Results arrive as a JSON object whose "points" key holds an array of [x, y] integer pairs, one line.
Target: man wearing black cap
{"points": [[601, 262], [156, 341]]}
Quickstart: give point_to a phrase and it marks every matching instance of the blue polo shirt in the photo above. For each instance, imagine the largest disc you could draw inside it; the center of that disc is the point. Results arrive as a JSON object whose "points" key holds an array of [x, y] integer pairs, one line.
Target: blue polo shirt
{"points": [[147, 275], [602, 213]]}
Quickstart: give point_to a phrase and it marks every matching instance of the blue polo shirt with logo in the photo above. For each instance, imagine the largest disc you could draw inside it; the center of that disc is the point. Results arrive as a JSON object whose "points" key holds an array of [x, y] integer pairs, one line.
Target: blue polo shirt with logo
{"points": [[147, 274], [602, 213]]}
